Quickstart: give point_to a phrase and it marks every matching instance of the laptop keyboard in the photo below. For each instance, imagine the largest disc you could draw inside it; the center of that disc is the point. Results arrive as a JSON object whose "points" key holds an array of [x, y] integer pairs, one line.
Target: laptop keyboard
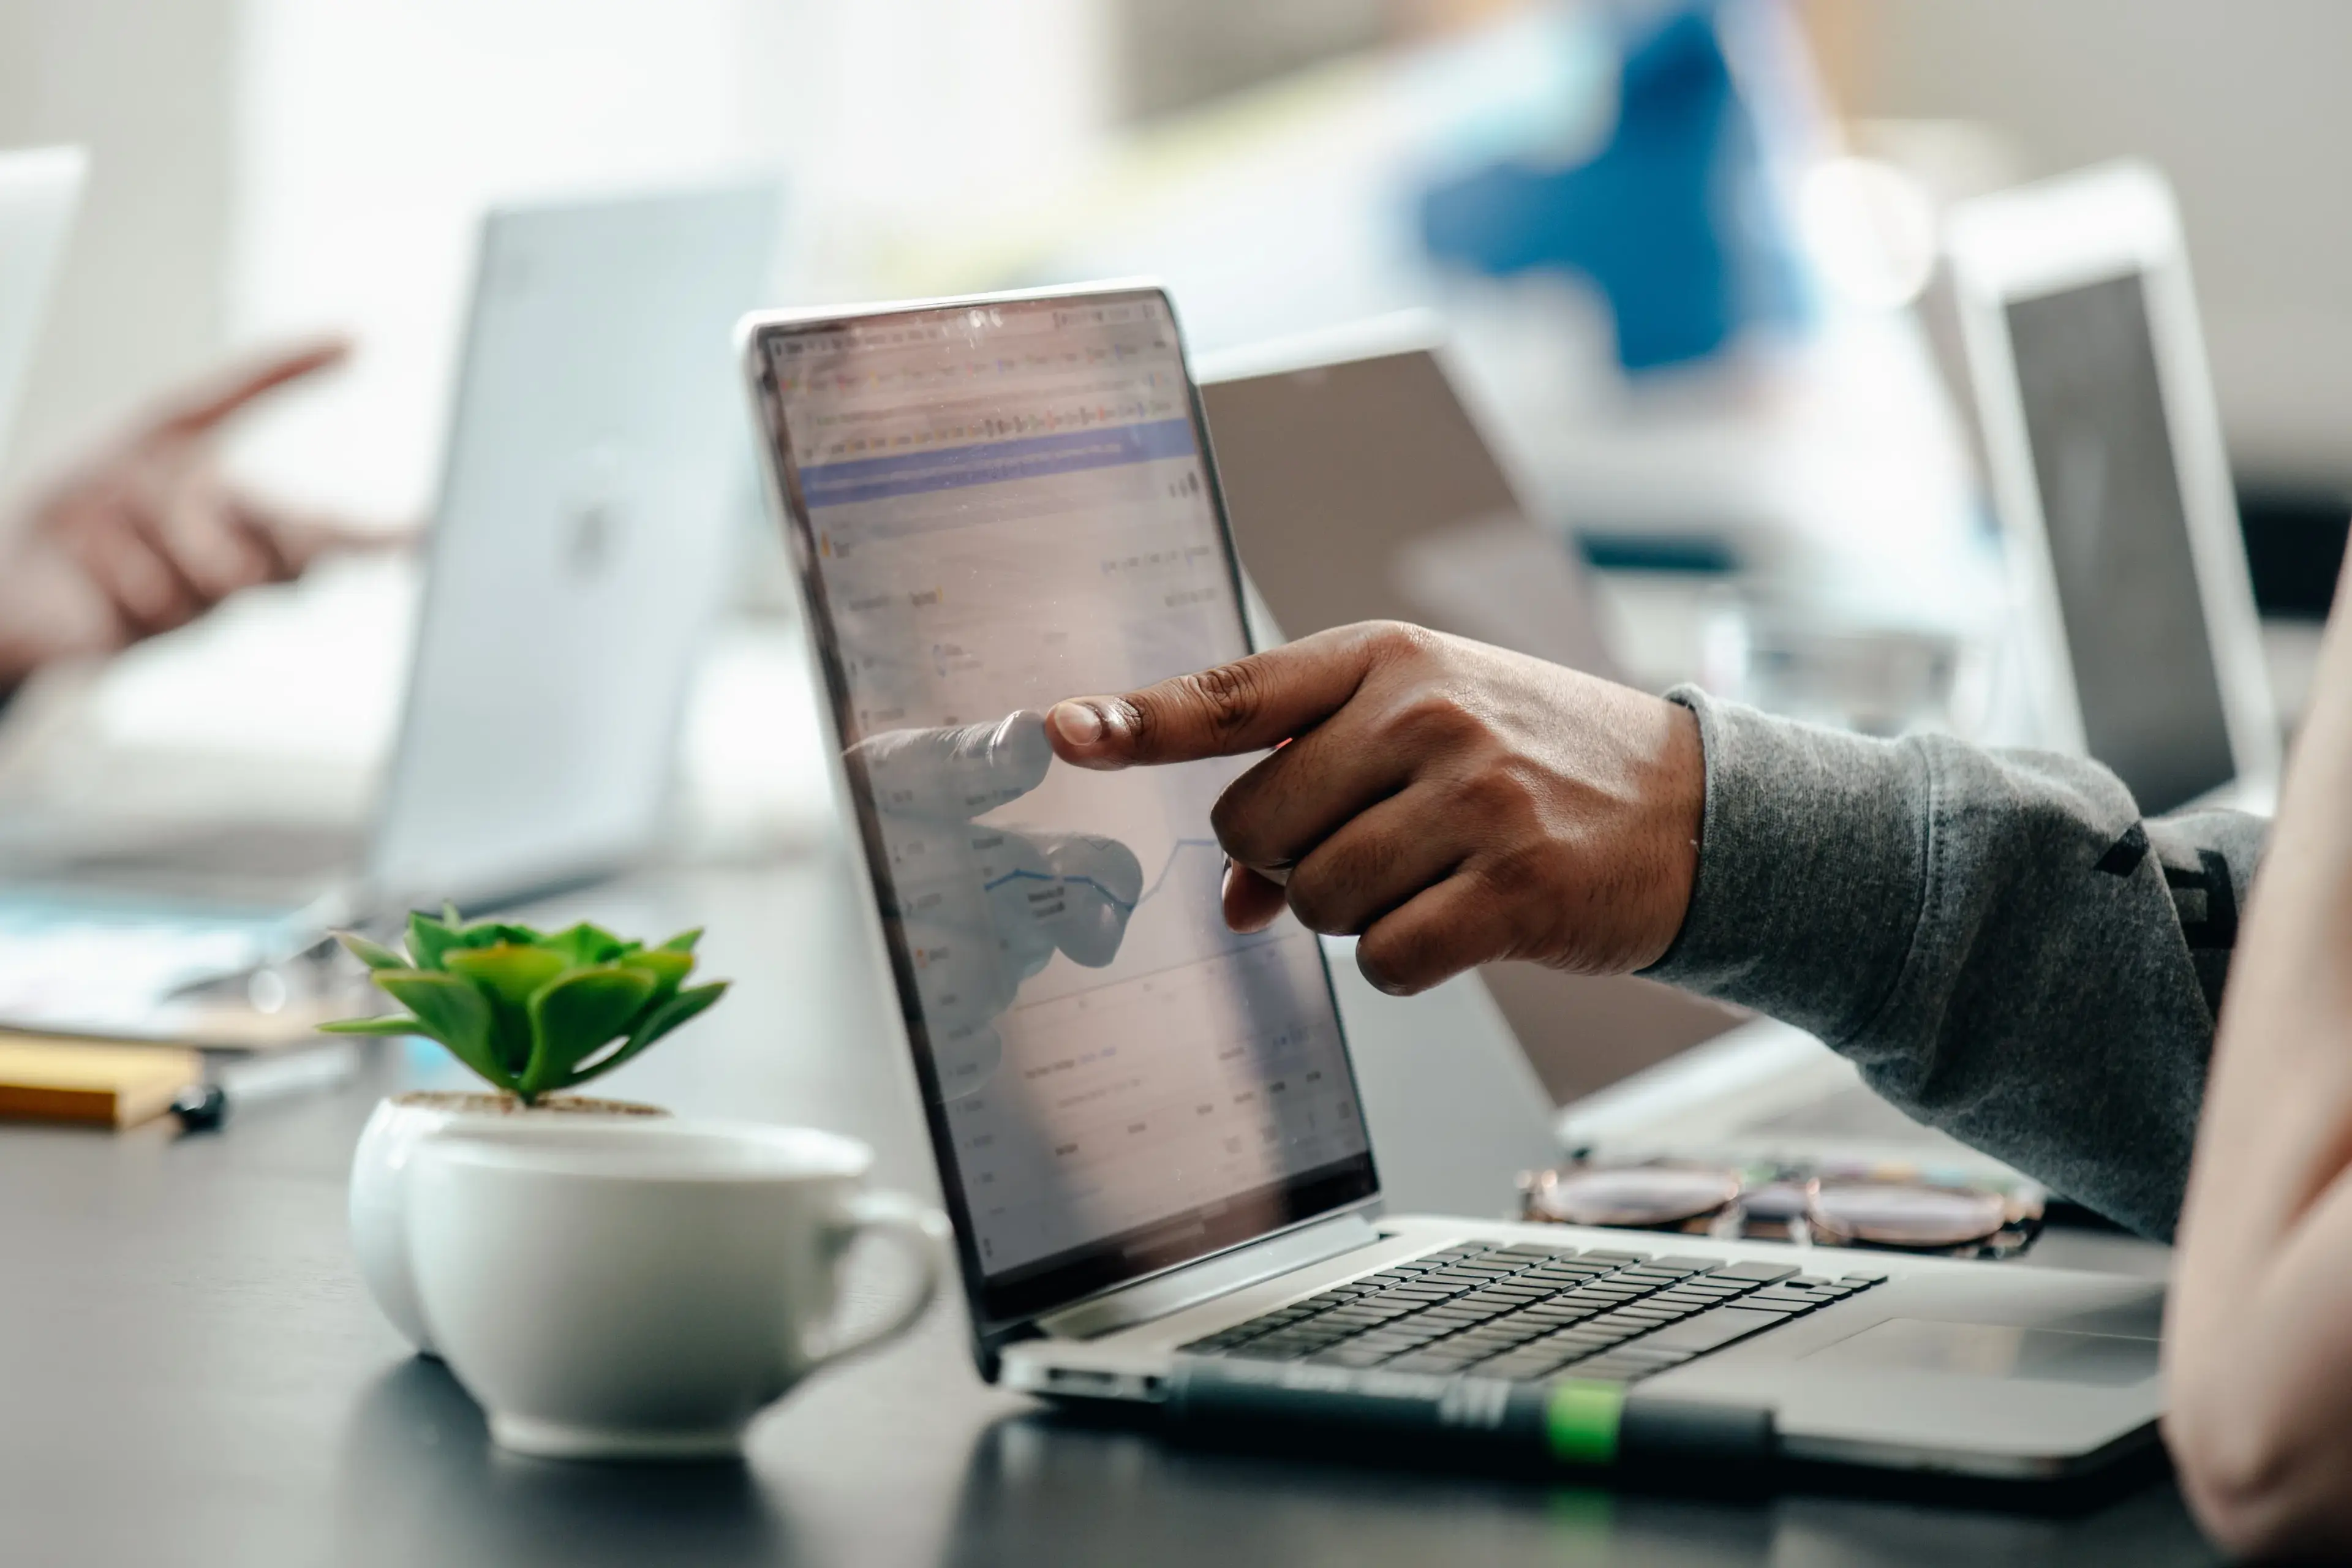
{"points": [[1528, 1313]]}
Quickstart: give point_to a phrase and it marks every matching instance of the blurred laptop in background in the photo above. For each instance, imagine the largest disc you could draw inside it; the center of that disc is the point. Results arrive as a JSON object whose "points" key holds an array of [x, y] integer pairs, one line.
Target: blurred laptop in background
{"points": [[2103, 442], [578, 556], [1362, 489]]}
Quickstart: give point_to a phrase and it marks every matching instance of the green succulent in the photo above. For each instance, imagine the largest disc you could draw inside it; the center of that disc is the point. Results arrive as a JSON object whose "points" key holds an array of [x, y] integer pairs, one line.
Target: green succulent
{"points": [[531, 1013]]}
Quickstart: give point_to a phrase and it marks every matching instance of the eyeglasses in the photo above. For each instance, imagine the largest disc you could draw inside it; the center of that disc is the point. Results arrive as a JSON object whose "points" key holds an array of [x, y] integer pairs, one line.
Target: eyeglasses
{"points": [[1895, 1208]]}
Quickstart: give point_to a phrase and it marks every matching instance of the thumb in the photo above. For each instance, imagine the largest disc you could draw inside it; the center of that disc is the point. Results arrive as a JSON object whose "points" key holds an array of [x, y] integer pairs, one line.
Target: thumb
{"points": [[1245, 706]]}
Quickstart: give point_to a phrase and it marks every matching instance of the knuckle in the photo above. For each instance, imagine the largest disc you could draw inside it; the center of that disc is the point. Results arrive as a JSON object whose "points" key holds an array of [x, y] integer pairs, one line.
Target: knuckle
{"points": [[1497, 797], [1520, 872], [1331, 893], [1348, 880], [1316, 901], [1398, 639], [1436, 717], [1144, 717], [1225, 697], [1368, 857]]}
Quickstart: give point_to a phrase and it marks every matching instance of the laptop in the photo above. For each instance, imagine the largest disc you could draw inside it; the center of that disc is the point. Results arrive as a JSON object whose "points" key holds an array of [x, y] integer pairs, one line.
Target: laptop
{"points": [[1362, 432], [39, 191], [579, 555], [1147, 1126], [2105, 451]]}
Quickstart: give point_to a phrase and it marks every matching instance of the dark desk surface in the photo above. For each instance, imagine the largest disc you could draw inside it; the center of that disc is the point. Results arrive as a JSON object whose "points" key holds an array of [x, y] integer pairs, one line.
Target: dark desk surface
{"points": [[190, 1373]]}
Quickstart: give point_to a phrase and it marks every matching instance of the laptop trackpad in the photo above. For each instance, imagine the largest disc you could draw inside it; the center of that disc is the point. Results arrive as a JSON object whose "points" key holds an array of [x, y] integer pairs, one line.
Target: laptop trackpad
{"points": [[1995, 1351]]}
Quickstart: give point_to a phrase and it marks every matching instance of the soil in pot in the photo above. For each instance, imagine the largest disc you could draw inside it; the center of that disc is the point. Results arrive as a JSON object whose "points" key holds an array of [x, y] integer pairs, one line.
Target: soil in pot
{"points": [[464, 1102]]}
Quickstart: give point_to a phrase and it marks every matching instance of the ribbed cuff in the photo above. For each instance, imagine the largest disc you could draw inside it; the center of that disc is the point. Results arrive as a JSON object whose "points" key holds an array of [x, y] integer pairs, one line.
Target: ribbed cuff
{"points": [[1812, 874]]}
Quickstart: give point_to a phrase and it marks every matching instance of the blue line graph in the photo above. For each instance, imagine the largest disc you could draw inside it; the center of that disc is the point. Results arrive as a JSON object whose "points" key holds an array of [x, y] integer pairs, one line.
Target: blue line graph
{"points": [[1024, 875]]}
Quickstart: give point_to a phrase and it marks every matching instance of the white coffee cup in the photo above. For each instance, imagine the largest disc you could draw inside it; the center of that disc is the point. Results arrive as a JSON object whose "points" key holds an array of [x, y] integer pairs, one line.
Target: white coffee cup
{"points": [[641, 1291]]}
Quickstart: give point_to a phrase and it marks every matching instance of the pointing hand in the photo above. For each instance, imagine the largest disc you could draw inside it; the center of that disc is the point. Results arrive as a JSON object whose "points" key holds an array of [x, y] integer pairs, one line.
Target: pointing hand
{"points": [[1449, 803], [147, 535]]}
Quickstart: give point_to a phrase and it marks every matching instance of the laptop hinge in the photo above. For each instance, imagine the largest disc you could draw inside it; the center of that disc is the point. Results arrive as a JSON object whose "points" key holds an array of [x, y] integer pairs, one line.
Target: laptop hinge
{"points": [[1219, 1276]]}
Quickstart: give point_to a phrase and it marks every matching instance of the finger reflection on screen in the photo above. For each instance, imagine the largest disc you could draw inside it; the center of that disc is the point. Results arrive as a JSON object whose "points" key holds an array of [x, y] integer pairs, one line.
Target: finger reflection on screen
{"points": [[984, 906]]}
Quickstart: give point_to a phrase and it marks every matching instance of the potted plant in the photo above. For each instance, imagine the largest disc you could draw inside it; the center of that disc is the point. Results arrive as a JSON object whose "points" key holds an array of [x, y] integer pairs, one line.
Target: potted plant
{"points": [[533, 1015]]}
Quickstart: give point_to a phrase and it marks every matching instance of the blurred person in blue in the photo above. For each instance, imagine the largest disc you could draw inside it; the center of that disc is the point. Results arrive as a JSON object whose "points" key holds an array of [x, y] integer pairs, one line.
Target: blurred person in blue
{"points": [[1671, 219], [145, 534]]}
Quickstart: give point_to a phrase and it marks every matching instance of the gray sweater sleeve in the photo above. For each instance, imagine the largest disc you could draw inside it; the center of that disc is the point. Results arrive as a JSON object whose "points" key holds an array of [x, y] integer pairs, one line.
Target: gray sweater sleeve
{"points": [[1997, 939]]}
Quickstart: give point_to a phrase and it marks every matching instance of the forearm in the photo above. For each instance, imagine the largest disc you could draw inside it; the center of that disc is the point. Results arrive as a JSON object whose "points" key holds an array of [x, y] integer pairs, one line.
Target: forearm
{"points": [[1995, 938], [2259, 1344]]}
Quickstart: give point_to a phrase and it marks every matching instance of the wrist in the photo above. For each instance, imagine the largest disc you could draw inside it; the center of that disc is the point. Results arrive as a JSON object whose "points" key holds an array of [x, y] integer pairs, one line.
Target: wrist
{"points": [[1809, 875], [1677, 797]]}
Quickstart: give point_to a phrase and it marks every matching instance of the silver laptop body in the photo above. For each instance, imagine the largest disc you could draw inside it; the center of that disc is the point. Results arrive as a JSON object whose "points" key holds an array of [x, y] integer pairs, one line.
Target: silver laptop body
{"points": [[1146, 1126]]}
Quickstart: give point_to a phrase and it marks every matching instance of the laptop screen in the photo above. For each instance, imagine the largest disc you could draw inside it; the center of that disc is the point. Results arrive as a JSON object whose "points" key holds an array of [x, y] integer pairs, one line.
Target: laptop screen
{"points": [[2119, 543], [1001, 506]]}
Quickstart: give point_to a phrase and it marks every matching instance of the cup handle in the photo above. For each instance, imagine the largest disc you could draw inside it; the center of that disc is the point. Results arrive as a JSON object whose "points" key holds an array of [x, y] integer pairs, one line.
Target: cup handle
{"points": [[923, 1232]]}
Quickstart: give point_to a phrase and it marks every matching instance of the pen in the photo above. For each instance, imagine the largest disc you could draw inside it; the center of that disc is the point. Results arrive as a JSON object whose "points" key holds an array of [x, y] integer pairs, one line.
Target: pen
{"points": [[202, 1107]]}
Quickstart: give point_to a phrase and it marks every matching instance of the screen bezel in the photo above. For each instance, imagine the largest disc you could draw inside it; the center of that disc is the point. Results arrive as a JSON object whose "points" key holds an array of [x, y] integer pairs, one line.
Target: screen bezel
{"points": [[2112, 222], [1003, 1312]]}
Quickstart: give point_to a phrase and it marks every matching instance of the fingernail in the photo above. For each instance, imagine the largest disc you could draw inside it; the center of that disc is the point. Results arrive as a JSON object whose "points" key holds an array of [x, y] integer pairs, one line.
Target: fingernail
{"points": [[1078, 722]]}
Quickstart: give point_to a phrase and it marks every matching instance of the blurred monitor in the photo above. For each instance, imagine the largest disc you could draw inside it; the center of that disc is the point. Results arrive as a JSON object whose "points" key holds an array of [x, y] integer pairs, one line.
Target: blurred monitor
{"points": [[39, 191], [578, 557], [2107, 467]]}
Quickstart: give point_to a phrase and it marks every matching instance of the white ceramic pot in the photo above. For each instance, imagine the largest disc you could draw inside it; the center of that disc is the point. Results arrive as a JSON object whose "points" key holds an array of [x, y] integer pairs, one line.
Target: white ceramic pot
{"points": [[379, 1206]]}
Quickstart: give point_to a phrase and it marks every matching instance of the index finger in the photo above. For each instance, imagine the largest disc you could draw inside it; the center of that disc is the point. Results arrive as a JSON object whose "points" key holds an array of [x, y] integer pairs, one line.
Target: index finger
{"points": [[299, 537], [199, 412], [1245, 706]]}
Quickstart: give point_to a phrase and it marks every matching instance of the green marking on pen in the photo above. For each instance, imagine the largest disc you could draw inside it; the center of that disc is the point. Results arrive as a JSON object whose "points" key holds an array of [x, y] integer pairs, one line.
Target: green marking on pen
{"points": [[1581, 1422]]}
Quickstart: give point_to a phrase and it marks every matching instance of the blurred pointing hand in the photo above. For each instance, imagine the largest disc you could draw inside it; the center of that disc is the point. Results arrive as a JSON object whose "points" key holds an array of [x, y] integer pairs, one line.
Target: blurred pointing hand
{"points": [[1449, 803], [146, 536]]}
